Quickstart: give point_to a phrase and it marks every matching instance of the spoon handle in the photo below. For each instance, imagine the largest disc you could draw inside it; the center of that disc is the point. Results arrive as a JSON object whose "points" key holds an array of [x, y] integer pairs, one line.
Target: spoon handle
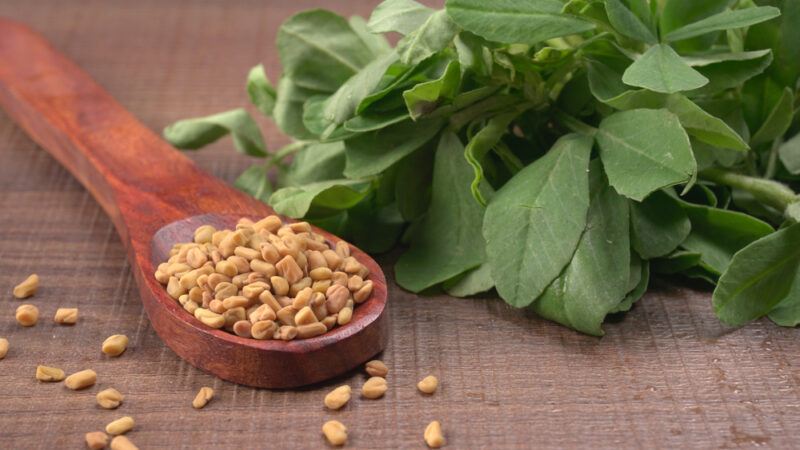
{"points": [[138, 179]]}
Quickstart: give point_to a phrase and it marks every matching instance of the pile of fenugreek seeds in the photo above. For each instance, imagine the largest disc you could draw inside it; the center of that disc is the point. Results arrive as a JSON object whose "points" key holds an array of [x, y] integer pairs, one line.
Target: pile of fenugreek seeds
{"points": [[266, 279]]}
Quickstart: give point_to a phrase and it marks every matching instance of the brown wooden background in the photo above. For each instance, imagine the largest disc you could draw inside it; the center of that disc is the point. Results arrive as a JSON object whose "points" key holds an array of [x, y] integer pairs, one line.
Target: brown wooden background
{"points": [[667, 376]]}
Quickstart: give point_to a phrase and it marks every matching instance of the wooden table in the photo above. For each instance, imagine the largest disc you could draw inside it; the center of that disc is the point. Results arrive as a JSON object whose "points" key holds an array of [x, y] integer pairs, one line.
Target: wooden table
{"points": [[668, 375]]}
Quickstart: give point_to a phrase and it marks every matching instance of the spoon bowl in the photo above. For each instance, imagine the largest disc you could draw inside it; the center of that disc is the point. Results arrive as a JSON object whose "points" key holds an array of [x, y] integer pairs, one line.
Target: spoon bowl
{"points": [[156, 198]]}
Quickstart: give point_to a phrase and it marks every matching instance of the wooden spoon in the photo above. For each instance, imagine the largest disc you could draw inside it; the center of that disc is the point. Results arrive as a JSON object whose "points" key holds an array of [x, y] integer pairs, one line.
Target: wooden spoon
{"points": [[156, 197]]}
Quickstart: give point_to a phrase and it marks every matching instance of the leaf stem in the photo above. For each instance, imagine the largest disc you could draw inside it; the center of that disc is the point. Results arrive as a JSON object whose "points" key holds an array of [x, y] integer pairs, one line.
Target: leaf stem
{"points": [[574, 124], [772, 193]]}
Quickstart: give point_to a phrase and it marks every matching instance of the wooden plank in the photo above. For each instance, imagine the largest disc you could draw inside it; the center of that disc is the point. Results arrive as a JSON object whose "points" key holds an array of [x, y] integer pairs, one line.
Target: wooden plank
{"points": [[668, 375]]}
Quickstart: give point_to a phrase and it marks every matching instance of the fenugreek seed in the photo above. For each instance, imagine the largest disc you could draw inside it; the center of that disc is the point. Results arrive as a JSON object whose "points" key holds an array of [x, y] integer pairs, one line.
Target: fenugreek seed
{"points": [[330, 321], [178, 269], [332, 258], [354, 283], [174, 288], [189, 279], [339, 278], [66, 316], [234, 315], [286, 315], [242, 328], [428, 384], [338, 397], [267, 298], [96, 440], [203, 234], [196, 258], [269, 223], [120, 426], [376, 368], [343, 249], [295, 289], [311, 330], [190, 306], [305, 316], [162, 277], [3, 347], [215, 279], [253, 290], [27, 287], [288, 269], [300, 227], [216, 306], [303, 298], [335, 432], [263, 267], [321, 286], [225, 290], [27, 315], [264, 329], [226, 268], [115, 345], [235, 301], [320, 310], [81, 380], [375, 387], [316, 260], [242, 264], [433, 435], [203, 397], [337, 297], [218, 236], [285, 301], [345, 316], [247, 253], [287, 332], [279, 285], [320, 273], [231, 241], [263, 312], [122, 443], [363, 294], [209, 318], [44, 373], [109, 398]]}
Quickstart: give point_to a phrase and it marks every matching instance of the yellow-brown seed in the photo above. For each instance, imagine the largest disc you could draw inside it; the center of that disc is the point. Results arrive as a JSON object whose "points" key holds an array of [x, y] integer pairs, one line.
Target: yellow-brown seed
{"points": [[279, 285], [329, 321], [288, 269], [109, 398], [428, 384], [305, 316], [335, 432], [311, 330], [44, 373], [27, 315], [287, 333], [376, 368], [235, 301], [3, 347], [27, 287], [81, 380], [115, 345], [363, 294], [209, 318], [433, 435], [337, 297], [122, 443], [203, 397], [264, 329], [345, 316], [196, 258], [203, 234], [242, 328], [338, 397], [374, 388], [120, 426], [66, 316], [96, 440]]}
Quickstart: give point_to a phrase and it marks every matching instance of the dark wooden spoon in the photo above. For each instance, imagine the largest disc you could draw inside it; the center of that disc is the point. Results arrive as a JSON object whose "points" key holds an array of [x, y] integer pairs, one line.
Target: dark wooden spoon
{"points": [[157, 197]]}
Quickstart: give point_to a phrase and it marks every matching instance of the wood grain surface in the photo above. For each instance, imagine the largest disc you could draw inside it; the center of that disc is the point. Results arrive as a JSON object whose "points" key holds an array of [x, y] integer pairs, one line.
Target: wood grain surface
{"points": [[667, 376]]}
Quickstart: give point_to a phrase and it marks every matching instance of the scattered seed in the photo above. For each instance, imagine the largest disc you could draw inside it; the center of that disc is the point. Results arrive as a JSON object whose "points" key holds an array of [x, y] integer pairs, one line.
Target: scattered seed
{"points": [[335, 432], [120, 426], [81, 380], [28, 287], [428, 384], [376, 368], [122, 443], [66, 316], [433, 435], [374, 388], [203, 397], [44, 373], [27, 315], [110, 398], [96, 440], [3, 347], [338, 397], [115, 345]]}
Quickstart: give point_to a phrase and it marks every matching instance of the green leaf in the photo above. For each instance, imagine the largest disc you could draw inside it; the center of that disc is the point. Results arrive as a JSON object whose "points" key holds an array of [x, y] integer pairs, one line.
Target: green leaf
{"points": [[375, 121], [295, 201], [534, 222], [627, 23], [260, 90], [413, 184], [640, 271], [512, 21], [789, 153], [376, 43], [316, 162], [778, 121], [434, 35], [636, 163], [717, 234], [425, 97], [191, 134], [658, 225], [660, 69], [759, 277], [402, 16], [725, 20], [473, 54], [675, 262], [288, 111], [729, 70], [319, 50], [702, 125], [371, 153], [596, 280], [471, 283], [674, 14], [255, 182], [480, 145], [373, 228], [449, 239]]}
